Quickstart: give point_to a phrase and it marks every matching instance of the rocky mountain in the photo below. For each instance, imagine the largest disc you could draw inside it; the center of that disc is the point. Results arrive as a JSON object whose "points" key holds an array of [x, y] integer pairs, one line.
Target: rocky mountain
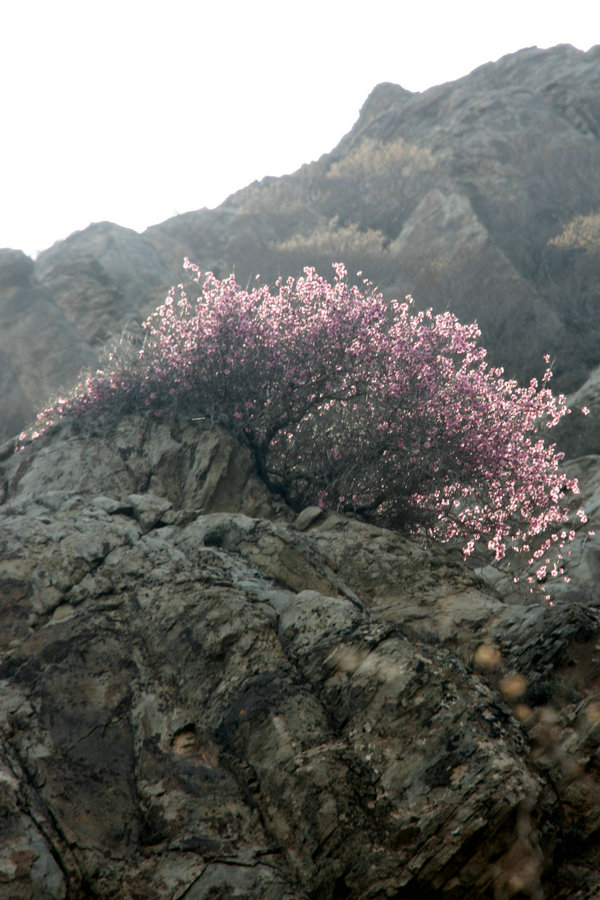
{"points": [[481, 196], [205, 696], [40, 347]]}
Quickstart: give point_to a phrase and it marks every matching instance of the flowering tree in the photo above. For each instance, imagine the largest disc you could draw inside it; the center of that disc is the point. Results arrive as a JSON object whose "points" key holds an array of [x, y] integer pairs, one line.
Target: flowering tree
{"points": [[356, 403]]}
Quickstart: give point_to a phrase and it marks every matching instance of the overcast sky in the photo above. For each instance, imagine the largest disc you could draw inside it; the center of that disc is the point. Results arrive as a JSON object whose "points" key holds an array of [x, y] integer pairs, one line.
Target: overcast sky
{"points": [[135, 111]]}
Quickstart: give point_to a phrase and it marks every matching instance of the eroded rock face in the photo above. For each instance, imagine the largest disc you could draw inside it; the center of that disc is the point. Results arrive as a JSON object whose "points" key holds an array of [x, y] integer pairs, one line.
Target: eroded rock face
{"points": [[104, 278], [204, 696], [579, 434]]}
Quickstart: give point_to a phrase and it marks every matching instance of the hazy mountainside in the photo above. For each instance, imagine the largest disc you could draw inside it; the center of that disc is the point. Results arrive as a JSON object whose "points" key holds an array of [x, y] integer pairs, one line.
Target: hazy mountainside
{"points": [[481, 196], [205, 697], [40, 347]]}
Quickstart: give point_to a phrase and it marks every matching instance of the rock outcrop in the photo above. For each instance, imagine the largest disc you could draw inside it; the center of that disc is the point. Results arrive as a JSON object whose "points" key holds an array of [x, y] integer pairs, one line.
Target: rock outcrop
{"points": [[40, 348], [105, 278], [205, 696], [464, 195], [578, 434]]}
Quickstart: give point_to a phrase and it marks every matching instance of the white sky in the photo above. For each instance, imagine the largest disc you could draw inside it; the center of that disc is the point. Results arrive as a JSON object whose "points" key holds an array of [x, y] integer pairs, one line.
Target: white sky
{"points": [[134, 111]]}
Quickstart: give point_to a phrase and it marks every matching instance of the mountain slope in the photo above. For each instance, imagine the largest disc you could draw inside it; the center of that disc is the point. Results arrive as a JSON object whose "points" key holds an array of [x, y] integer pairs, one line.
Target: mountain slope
{"points": [[481, 196]]}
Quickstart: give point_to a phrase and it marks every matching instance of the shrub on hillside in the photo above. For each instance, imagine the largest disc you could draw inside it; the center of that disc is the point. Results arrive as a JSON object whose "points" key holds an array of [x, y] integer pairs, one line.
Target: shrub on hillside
{"points": [[378, 185], [330, 240], [354, 402], [580, 233]]}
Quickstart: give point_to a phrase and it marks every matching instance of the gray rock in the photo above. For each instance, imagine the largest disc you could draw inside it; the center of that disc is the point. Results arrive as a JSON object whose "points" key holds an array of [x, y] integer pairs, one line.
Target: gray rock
{"points": [[186, 463], [308, 517], [16, 269], [40, 350], [226, 704], [148, 509]]}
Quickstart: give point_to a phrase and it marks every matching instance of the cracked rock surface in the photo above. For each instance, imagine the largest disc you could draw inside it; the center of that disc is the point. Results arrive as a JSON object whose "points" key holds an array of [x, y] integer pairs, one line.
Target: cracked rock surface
{"points": [[202, 697]]}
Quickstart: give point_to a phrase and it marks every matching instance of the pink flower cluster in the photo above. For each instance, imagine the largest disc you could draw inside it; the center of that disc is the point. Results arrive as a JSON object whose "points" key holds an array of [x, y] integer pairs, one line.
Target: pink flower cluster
{"points": [[357, 403]]}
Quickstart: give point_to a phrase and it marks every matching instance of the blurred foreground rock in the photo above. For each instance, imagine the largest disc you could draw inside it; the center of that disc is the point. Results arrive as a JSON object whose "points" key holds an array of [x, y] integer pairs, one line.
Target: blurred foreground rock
{"points": [[202, 697]]}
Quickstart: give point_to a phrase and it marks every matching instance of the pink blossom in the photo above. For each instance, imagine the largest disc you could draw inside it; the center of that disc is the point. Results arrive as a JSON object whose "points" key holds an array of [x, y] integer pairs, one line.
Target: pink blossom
{"points": [[356, 402]]}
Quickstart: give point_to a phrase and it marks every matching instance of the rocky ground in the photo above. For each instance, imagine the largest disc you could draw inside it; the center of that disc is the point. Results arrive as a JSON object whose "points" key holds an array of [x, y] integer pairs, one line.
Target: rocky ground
{"points": [[206, 696]]}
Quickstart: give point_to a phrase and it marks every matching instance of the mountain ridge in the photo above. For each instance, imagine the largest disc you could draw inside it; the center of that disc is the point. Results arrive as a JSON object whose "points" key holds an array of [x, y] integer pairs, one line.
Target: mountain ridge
{"points": [[460, 195]]}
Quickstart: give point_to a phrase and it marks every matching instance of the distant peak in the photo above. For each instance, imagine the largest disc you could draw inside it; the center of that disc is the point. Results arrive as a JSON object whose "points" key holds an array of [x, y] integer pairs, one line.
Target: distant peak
{"points": [[383, 97], [16, 269]]}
